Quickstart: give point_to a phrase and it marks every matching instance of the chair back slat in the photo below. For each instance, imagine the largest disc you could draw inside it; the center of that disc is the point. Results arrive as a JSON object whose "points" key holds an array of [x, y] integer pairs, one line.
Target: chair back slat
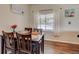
{"points": [[29, 29]]}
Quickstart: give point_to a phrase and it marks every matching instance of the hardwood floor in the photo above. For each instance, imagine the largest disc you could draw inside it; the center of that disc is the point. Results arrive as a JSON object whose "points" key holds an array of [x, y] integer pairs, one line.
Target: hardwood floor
{"points": [[53, 47]]}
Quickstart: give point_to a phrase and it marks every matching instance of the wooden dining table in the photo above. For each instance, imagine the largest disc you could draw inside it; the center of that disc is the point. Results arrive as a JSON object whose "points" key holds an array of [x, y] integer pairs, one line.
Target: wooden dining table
{"points": [[38, 39]]}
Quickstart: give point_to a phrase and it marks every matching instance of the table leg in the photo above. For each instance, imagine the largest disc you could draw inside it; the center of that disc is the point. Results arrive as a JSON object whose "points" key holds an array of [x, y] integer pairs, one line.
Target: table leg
{"points": [[42, 44]]}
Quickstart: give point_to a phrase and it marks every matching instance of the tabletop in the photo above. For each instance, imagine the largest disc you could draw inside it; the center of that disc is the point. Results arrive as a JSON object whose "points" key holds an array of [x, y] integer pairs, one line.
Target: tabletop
{"points": [[35, 36]]}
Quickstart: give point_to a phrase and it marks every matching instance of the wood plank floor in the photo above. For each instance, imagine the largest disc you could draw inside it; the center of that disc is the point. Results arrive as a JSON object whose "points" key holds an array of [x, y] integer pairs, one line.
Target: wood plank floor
{"points": [[52, 47]]}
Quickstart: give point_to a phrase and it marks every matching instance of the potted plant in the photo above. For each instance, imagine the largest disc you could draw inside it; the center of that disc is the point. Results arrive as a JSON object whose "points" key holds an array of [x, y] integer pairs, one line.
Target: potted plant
{"points": [[13, 27]]}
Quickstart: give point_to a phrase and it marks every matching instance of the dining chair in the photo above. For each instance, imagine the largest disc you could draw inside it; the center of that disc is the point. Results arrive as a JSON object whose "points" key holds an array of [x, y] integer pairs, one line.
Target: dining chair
{"points": [[28, 29], [37, 30], [24, 43], [9, 42], [34, 31]]}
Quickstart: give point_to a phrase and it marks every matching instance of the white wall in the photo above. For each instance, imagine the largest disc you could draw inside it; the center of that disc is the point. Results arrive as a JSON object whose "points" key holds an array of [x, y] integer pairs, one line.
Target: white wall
{"points": [[7, 17], [74, 20], [60, 16]]}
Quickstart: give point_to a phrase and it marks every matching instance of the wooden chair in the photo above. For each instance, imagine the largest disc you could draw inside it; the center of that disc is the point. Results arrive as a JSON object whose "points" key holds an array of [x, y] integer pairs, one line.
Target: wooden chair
{"points": [[29, 29], [9, 42], [24, 43], [36, 32]]}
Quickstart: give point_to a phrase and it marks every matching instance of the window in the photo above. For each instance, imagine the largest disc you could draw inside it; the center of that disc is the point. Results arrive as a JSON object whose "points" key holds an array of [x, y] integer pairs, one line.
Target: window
{"points": [[46, 21]]}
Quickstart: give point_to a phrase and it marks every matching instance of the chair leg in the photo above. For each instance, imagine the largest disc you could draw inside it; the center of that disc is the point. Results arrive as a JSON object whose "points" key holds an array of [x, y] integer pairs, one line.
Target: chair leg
{"points": [[33, 48], [38, 49], [14, 50], [5, 51]]}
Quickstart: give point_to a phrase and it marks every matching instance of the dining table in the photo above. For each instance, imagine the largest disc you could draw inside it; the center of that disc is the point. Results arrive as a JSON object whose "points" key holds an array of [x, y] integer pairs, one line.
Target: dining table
{"points": [[38, 39]]}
